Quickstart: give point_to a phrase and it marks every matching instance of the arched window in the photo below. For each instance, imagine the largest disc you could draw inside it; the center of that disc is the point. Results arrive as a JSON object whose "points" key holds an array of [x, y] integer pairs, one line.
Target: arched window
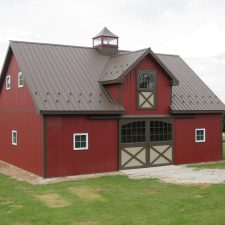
{"points": [[160, 131], [147, 80], [133, 132]]}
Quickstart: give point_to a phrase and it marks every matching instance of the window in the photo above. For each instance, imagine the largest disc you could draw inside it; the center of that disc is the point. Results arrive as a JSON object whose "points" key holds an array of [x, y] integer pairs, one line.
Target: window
{"points": [[20, 79], [80, 141], [200, 135], [14, 137], [147, 80], [160, 131], [8, 82], [133, 132]]}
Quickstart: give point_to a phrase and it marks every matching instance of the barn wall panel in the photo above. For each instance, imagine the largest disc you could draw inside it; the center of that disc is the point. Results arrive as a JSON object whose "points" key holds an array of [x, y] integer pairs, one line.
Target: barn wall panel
{"points": [[163, 90], [101, 156], [18, 112], [114, 91], [186, 150]]}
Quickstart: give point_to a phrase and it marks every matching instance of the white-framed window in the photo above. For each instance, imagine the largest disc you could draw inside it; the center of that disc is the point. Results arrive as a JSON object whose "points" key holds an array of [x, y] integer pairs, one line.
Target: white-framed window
{"points": [[14, 137], [8, 82], [20, 79], [200, 135], [80, 141]]}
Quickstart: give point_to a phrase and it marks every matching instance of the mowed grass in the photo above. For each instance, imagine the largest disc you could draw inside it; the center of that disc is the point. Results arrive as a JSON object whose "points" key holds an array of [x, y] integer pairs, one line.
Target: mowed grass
{"points": [[213, 165], [107, 200]]}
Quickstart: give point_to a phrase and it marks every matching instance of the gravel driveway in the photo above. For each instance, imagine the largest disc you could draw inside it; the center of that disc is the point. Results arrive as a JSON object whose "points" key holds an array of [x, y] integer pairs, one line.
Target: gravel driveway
{"points": [[179, 174]]}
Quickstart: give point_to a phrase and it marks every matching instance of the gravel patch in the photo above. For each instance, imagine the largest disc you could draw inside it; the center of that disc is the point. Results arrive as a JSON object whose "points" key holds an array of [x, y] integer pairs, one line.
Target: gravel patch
{"points": [[180, 174]]}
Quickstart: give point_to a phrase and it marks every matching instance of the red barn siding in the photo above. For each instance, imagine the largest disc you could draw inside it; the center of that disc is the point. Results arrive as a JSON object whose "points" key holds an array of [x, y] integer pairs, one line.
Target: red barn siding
{"points": [[114, 91], [163, 90], [101, 156], [18, 112], [186, 150]]}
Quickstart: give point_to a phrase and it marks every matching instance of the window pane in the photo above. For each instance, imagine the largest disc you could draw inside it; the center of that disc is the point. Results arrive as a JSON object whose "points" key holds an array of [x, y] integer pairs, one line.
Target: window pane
{"points": [[77, 138], [83, 137], [77, 144], [83, 144]]}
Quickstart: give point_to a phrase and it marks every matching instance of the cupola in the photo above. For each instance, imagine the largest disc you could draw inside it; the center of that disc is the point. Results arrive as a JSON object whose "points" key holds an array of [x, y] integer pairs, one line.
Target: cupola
{"points": [[106, 42]]}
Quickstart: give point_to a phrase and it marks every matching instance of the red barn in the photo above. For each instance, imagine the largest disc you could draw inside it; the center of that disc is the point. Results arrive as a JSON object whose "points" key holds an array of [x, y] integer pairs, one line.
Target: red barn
{"points": [[67, 110]]}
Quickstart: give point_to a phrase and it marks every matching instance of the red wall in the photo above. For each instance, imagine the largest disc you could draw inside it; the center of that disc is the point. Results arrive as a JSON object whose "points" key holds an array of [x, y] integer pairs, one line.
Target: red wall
{"points": [[186, 150], [101, 156], [18, 112], [129, 90], [113, 90]]}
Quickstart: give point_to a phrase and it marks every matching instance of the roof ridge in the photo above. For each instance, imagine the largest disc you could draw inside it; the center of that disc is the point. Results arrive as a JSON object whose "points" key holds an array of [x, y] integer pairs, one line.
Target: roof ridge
{"points": [[129, 52], [43, 43]]}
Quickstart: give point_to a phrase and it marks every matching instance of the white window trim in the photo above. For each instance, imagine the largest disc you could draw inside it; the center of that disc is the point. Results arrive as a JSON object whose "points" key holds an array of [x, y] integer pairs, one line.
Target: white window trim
{"points": [[78, 134], [19, 77], [204, 134], [6, 85], [14, 143]]}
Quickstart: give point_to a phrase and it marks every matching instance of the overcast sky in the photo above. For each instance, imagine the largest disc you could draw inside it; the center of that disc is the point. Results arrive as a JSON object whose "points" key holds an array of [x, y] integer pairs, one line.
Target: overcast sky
{"points": [[193, 29]]}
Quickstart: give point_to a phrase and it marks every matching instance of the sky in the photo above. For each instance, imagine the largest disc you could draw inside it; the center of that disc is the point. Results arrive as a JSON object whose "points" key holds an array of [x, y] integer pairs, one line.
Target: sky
{"points": [[193, 29]]}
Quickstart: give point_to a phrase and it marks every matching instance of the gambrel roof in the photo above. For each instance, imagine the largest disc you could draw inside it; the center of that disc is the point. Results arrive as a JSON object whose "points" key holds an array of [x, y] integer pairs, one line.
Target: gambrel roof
{"points": [[70, 79]]}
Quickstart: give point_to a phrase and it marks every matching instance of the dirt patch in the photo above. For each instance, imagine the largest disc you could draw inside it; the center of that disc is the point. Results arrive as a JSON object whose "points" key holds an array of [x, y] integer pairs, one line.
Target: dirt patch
{"points": [[87, 193], [22, 223], [87, 223], [53, 200]]}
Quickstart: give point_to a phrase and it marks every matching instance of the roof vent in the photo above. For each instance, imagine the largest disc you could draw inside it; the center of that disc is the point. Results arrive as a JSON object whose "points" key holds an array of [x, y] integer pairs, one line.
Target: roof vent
{"points": [[106, 42]]}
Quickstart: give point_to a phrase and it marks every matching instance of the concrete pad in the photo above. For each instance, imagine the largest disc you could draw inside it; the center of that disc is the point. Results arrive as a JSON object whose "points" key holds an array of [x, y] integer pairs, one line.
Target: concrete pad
{"points": [[180, 174]]}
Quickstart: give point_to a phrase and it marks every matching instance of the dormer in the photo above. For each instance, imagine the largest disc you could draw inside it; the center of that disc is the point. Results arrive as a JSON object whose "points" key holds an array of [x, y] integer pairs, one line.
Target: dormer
{"points": [[106, 42]]}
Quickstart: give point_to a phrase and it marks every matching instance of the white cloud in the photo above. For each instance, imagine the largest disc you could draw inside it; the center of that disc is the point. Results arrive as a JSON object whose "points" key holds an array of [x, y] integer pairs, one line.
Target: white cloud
{"points": [[194, 29]]}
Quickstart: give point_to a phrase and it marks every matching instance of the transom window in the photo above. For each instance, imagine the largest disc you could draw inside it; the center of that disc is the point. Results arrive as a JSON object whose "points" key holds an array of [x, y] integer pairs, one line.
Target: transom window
{"points": [[8, 82], [200, 135], [133, 132], [14, 137], [80, 141], [160, 131], [20, 79], [147, 80]]}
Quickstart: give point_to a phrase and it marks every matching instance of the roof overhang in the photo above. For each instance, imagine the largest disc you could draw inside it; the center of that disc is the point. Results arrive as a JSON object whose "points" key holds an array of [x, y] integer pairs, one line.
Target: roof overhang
{"points": [[5, 65], [177, 112], [88, 112]]}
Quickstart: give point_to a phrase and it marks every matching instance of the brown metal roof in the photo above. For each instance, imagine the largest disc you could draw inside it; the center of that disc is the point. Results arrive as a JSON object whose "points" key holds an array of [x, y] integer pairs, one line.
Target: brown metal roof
{"points": [[106, 33], [68, 79], [64, 78], [192, 95]]}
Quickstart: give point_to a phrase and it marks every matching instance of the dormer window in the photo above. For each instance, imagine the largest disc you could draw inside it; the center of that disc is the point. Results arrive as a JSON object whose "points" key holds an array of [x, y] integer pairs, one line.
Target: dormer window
{"points": [[8, 82], [20, 80], [146, 81], [146, 88]]}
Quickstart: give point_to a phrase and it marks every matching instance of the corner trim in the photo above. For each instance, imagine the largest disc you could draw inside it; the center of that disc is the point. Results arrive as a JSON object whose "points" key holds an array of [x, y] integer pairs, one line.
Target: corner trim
{"points": [[44, 155]]}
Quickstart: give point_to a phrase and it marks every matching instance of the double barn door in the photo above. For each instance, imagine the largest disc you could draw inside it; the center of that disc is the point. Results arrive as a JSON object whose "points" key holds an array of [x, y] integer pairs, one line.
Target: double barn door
{"points": [[145, 143]]}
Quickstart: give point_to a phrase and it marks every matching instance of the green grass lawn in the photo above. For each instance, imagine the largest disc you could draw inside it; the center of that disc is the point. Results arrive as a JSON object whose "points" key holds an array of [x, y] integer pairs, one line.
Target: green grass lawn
{"points": [[214, 165], [114, 200]]}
